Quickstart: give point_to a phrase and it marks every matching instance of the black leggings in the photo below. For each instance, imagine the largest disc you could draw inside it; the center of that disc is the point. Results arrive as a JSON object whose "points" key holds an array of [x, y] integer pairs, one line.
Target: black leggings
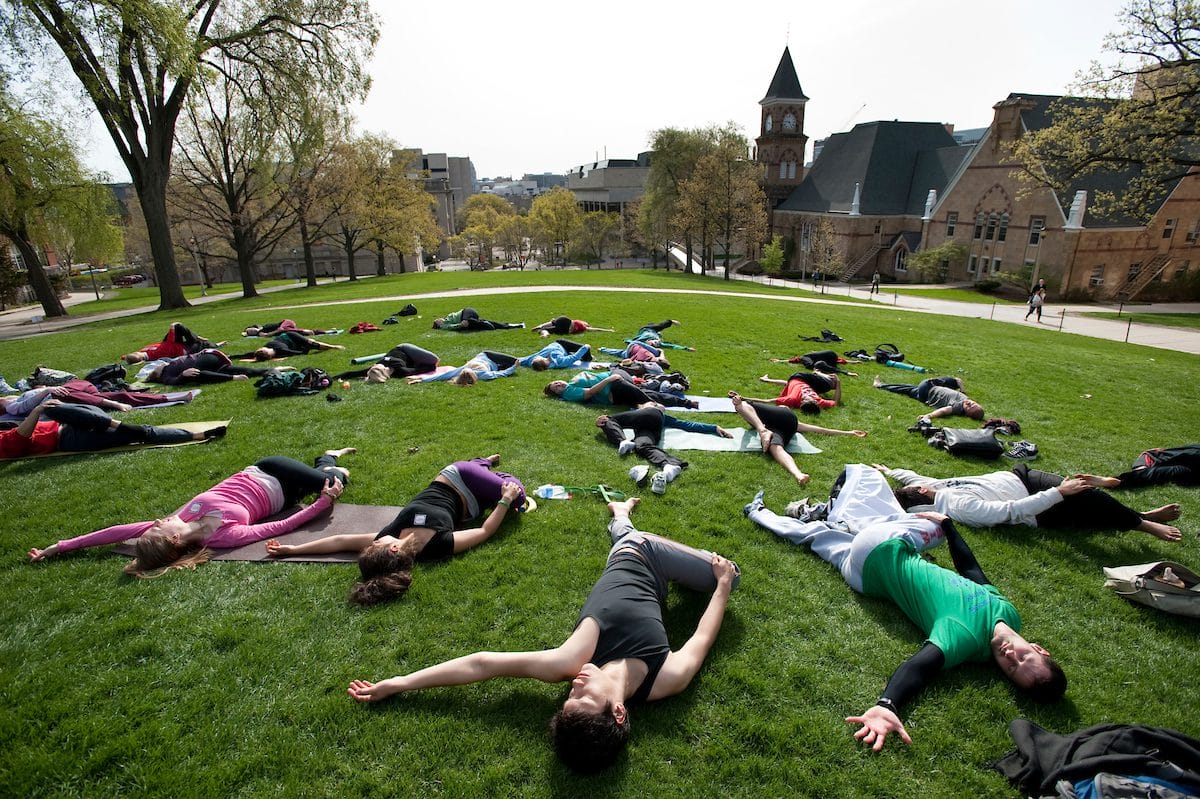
{"points": [[1088, 510], [647, 426], [501, 359], [559, 325], [403, 360], [818, 383], [299, 480], [572, 347], [657, 327], [85, 428], [190, 341], [779, 420]]}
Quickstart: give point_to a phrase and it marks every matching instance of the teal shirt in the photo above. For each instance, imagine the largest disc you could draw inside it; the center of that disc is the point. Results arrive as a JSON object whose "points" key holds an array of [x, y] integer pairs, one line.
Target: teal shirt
{"points": [[957, 615], [583, 381]]}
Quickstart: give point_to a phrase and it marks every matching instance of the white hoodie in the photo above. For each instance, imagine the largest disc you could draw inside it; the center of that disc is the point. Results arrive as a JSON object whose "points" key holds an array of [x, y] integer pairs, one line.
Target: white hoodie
{"points": [[984, 500]]}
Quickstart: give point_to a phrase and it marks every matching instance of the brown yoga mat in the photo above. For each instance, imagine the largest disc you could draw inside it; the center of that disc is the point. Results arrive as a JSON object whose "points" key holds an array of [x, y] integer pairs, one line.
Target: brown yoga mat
{"points": [[343, 519]]}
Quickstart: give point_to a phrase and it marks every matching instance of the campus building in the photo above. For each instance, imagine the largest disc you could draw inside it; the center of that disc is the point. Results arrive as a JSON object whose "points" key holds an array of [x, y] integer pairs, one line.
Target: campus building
{"points": [[889, 189], [609, 184]]}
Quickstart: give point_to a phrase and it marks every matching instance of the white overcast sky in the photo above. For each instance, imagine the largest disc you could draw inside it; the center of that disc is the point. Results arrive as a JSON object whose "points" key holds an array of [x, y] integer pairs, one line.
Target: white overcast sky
{"points": [[542, 86]]}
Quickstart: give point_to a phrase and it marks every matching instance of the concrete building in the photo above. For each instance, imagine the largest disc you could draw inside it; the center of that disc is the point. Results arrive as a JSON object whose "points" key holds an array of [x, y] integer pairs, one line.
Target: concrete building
{"points": [[609, 184]]}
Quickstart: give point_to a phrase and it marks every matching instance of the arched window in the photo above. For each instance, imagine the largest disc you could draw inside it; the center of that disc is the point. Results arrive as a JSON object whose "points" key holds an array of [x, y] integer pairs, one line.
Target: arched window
{"points": [[979, 217]]}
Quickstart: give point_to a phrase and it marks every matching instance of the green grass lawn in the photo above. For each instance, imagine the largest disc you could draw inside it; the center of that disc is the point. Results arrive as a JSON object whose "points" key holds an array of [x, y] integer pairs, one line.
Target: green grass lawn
{"points": [[1166, 319], [231, 680], [957, 295]]}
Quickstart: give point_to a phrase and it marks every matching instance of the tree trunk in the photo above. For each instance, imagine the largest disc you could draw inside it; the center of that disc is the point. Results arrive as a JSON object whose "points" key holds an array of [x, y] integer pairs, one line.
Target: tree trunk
{"points": [[243, 246], [310, 266], [152, 197], [350, 250], [380, 268], [42, 289]]}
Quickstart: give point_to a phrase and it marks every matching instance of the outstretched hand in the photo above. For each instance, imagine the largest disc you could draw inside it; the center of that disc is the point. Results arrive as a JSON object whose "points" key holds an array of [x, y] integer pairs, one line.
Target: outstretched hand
{"points": [[933, 516], [723, 569], [366, 691], [859, 433], [877, 723], [1073, 485], [37, 555], [276, 549], [723, 433]]}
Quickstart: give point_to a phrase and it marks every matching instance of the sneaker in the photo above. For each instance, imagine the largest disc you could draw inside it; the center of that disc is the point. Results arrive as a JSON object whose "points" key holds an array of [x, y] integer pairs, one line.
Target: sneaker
{"points": [[658, 483], [625, 447], [638, 473], [796, 508], [216, 432], [754, 504], [1023, 450]]}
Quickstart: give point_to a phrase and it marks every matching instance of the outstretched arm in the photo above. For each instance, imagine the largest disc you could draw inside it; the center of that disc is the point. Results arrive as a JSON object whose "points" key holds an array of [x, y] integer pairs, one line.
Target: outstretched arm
{"points": [[804, 427], [465, 539], [351, 542], [964, 559], [907, 681], [681, 666]]}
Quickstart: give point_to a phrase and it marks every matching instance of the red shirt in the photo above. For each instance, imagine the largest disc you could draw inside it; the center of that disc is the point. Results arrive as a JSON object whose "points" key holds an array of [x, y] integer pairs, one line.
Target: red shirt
{"points": [[43, 440], [797, 392], [578, 326]]}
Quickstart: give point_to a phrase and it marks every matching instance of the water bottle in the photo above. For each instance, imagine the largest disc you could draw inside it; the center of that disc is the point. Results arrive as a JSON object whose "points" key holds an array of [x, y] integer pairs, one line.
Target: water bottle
{"points": [[551, 491]]}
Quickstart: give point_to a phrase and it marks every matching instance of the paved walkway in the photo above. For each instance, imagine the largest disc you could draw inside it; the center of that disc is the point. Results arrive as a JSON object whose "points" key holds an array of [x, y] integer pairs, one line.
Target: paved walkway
{"points": [[27, 322]]}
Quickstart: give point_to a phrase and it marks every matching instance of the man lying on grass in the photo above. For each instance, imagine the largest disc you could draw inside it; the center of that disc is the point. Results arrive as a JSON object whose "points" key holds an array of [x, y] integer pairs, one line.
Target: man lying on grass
{"points": [[1031, 497], [618, 654], [877, 547]]}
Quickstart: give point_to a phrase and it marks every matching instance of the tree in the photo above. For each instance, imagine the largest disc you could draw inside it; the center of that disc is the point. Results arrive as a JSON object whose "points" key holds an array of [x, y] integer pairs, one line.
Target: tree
{"points": [[484, 216], [137, 61], [676, 153], [401, 210], [772, 257], [824, 252], [230, 170], [1140, 117], [44, 193], [597, 230], [934, 264], [557, 219], [11, 278], [515, 235]]}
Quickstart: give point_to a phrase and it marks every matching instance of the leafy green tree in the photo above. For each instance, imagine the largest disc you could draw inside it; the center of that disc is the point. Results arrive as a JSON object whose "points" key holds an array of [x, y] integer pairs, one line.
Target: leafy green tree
{"points": [[515, 235], [401, 210], [824, 250], [44, 193], [933, 264], [483, 218], [676, 153], [771, 259], [597, 230], [138, 59], [1142, 116], [557, 219]]}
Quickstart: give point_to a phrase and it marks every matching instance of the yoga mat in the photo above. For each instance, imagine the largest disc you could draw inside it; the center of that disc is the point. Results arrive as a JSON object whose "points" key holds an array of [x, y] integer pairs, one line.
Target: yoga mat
{"points": [[743, 441], [343, 518], [191, 427]]}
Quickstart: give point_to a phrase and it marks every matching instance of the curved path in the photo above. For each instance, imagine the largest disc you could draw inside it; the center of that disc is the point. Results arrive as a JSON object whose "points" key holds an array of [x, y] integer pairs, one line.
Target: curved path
{"points": [[19, 323]]}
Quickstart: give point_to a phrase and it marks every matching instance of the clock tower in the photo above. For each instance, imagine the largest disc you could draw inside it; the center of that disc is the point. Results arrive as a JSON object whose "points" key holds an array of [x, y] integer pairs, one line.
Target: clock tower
{"points": [[781, 140]]}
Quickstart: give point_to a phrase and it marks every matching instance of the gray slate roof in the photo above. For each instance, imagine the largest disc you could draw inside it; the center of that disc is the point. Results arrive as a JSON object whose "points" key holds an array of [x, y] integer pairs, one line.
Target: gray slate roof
{"points": [[785, 85], [896, 164]]}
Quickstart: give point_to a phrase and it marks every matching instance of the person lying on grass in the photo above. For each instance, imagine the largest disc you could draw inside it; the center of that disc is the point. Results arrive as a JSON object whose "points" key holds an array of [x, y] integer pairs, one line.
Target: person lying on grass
{"points": [[647, 425], [403, 360], [287, 325], [617, 657], [177, 342], [566, 326], [223, 517], [285, 345], [1179, 465], [802, 391], [877, 548], [207, 366], [559, 354], [430, 527], [486, 365], [943, 394], [776, 426], [83, 428], [1030, 497], [81, 392], [611, 388], [467, 321]]}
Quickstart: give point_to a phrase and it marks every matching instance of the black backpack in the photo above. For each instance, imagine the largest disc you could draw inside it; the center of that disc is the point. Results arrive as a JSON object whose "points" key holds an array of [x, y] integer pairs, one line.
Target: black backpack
{"points": [[109, 373], [888, 352], [968, 441]]}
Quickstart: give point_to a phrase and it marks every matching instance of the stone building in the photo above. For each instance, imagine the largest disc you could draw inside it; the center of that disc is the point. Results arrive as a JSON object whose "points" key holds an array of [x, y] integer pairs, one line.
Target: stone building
{"points": [[609, 184]]}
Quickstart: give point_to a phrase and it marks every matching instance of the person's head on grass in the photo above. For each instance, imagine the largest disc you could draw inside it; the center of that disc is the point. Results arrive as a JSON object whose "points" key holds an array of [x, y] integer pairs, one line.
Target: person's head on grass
{"points": [[540, 364], [592, 726], [386, 569], [135, 357], [972, 409], [1027, 666], [169, 544], [555, 388], [378, 373], [264, 354]]}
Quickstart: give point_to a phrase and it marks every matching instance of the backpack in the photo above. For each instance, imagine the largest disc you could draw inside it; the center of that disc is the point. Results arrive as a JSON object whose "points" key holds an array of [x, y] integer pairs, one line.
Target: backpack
{"points": [[105, 374], [314, 378], [282, 384], [826, 336], [888, 352], [965, 441], [1144, 584]]}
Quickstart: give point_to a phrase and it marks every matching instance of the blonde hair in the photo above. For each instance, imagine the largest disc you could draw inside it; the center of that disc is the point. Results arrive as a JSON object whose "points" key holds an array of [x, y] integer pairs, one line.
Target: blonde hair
{"points": [[157, 555], [465, 378]]}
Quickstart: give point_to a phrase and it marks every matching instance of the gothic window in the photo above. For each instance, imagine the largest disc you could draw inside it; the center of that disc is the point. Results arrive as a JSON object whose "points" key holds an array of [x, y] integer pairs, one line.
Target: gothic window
{"points": [[1037, 224], [901, 260], [979, 217], [791, 170], [951, 221], [991, 227], [1002, 234]]}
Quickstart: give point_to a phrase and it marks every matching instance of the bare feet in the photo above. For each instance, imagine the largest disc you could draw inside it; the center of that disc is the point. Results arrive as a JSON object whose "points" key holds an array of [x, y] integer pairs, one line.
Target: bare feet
{"points": [[765, 378], [623, 508], [1167, 513], [875, 381], [1163, 531], [1095, 481], [736, 398], [802, 478], [495, 459], [337, 453], [764, 438]]}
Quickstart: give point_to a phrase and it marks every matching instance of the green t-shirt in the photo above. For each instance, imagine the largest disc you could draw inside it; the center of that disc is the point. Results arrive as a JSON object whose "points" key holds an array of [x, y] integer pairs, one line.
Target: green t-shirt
{"points": [[958, 615], [583, 381]]}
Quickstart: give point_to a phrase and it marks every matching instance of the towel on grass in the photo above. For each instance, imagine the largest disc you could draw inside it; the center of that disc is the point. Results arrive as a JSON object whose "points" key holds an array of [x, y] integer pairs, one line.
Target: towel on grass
{"points": [[707, 405], [191, 427], [743, 441], [343, 518]]}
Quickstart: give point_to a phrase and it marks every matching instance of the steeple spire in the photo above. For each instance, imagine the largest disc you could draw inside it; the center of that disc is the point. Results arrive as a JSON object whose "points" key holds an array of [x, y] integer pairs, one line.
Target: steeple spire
{"points": [[785, 85]]}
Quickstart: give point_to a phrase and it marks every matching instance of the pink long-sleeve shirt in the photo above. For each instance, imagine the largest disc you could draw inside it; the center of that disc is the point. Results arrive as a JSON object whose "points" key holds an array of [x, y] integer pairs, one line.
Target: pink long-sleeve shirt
{"points": [[239, 500]]}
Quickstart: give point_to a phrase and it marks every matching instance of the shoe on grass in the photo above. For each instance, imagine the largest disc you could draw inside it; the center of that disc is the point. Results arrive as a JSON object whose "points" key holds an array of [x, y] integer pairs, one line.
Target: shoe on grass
{"points": [[638, 474], [658, 483]]}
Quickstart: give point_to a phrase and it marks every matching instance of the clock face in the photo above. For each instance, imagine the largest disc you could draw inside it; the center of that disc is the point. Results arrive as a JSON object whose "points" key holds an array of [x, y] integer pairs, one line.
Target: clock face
{"points": [[789, 121], [770, 123]]}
